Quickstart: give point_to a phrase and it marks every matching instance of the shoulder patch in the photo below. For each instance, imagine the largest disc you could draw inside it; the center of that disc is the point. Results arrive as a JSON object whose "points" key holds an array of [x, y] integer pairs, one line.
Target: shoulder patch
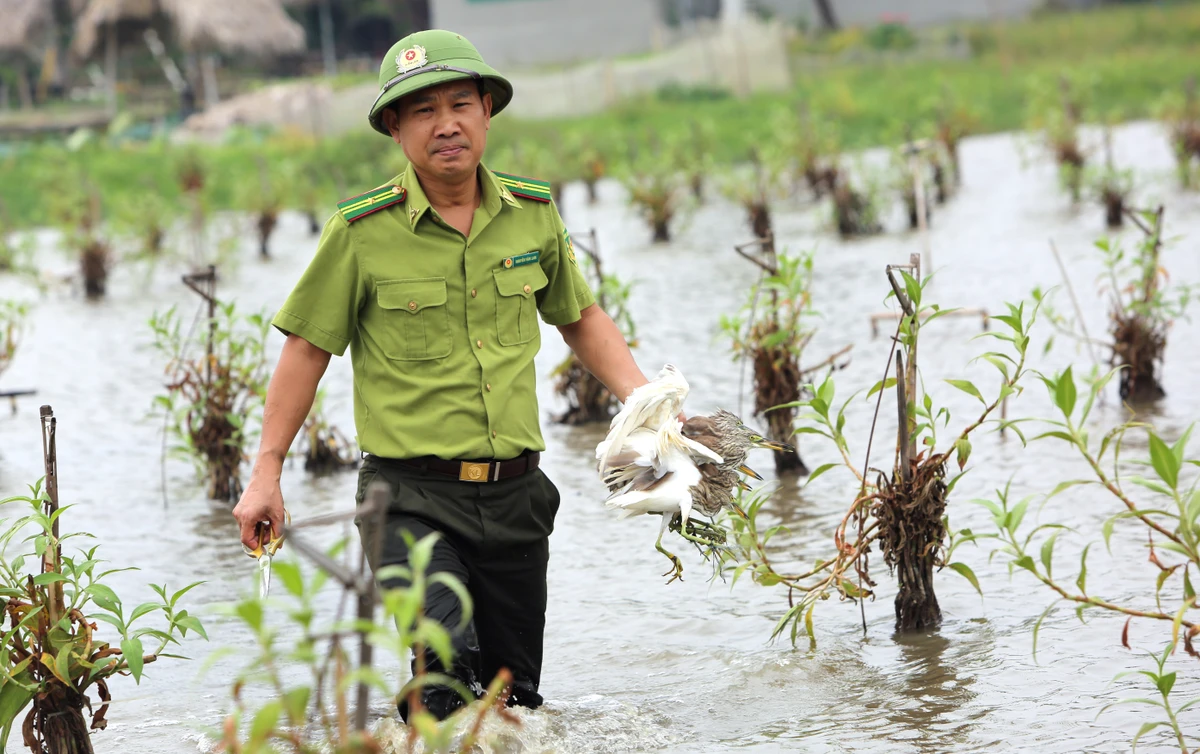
{"points": [[358, 207], [527, 188]]}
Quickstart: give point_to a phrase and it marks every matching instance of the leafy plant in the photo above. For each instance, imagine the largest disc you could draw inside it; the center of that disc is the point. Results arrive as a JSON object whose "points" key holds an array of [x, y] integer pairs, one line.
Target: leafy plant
{"points": [[855, 208], [588, 400], [52, 653], [1181, 115], [954, 122], [1160, 511], [903, 514], [80, 214], [1059, 121], [891, 35], [1111, 188], [1164, 683], [813, 144], [771, 332], [16, 253], [653, 189], [1142, 307], [213, 396], [755, 193], [147, 216], [312, 716]]}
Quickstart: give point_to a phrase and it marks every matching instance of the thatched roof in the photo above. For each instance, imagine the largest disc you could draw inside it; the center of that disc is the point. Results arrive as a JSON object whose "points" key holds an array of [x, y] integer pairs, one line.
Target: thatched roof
{"points": [[249, 27], [24, 24]]}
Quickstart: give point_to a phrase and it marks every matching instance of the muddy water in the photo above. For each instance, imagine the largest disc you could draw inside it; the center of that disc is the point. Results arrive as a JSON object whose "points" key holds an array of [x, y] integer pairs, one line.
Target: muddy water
{"points": [[633, 664]]}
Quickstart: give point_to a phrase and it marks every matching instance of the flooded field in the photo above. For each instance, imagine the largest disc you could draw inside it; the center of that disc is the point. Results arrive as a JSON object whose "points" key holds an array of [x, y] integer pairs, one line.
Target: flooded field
{"points": [[633, 664]]}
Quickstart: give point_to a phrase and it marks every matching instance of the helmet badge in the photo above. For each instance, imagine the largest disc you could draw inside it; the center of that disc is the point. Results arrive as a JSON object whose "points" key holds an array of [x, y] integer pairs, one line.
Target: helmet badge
{"points": [[411, 58]]}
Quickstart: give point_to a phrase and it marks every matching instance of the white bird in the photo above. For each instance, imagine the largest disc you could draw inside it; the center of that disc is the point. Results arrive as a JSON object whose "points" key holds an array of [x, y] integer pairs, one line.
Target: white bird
{"points": [[648, 464]]}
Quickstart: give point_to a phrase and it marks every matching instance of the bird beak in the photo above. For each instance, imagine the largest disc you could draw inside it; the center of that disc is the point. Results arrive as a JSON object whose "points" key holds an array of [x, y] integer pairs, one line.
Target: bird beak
{"points": [[741, 484], [749, 472], [779, 447], [738, 510]]}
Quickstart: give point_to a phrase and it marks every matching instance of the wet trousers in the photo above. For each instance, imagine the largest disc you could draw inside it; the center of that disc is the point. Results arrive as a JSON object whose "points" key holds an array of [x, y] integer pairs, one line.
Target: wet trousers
{"points": [[493, 537]]}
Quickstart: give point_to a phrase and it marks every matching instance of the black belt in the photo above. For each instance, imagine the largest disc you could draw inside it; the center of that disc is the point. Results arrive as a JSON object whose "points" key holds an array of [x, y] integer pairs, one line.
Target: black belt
{"points": [[472, 471]]}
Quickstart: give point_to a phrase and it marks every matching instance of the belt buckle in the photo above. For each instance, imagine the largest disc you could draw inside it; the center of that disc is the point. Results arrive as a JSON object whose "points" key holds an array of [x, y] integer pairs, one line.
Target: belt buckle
{"points": [[473, 472]]}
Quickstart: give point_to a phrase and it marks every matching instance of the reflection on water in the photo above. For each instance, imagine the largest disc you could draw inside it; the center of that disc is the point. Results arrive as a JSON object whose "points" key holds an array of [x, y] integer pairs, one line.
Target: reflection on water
{"points": [[633, 664], [936, 692]]}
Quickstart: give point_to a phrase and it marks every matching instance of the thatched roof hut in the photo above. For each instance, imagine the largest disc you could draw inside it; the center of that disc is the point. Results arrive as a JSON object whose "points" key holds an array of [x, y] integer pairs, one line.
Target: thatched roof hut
{"points": [[25, 23], [234, 27]]}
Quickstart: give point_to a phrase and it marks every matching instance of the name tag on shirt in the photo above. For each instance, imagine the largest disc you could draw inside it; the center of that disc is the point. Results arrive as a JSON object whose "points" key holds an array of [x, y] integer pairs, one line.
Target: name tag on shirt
{"points": [[530, 257]]}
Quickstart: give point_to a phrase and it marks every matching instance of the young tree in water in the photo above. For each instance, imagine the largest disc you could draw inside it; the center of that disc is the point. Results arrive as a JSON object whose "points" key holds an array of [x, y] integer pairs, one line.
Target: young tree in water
{"points": [[216, 384], [1143, 304], [772, 333], [55, 657], [1156, 509], [588, 400], [904, 513]]}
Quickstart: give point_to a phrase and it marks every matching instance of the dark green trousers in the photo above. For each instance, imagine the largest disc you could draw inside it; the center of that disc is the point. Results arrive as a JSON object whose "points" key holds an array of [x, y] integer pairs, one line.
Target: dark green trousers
{"points": [[494, 539]]}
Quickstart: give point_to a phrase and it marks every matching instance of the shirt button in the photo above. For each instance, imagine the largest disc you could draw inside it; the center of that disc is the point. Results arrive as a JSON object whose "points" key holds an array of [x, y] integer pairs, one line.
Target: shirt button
{"points": [[412, 306], [489, 387], [479, 344], [528, 289], [474, 293], [493, 434]]}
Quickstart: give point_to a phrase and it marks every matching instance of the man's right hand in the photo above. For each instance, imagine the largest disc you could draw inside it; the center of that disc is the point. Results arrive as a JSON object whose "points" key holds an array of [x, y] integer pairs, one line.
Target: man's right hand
{"points": [[262, 500]]}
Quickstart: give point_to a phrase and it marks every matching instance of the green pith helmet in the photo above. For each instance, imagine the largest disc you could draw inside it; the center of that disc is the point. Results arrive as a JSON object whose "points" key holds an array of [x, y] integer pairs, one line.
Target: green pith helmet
{"points": [[429, 58]]}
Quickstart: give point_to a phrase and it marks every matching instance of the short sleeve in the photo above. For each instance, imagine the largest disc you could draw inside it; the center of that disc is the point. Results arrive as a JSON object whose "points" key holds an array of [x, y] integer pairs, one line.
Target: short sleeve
{"points": [[567, 293], [323, 307]]}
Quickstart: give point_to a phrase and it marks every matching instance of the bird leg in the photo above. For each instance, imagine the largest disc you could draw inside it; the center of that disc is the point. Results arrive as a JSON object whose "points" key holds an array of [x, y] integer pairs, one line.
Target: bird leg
{"points": [[699, 532], [676, 571]]}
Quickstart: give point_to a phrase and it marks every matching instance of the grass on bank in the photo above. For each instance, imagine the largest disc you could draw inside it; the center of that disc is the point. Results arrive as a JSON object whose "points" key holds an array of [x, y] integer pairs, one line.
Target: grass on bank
{"points": [[1122, 61]]}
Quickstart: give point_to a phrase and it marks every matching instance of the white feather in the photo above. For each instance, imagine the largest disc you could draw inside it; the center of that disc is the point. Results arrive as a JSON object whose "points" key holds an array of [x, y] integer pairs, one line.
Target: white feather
{"points": [[674, 463], [649, 406]]}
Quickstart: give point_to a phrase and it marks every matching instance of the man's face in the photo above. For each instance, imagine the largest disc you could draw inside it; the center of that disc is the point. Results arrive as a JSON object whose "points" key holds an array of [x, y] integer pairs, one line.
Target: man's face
{"points": [[442, 129]]}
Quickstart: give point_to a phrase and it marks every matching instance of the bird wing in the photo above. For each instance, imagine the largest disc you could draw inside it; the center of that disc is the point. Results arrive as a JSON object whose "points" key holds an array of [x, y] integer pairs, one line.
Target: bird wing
{"points": [[649, 407], [662, 479], [702, 429], [635, 456], [671, 493]]}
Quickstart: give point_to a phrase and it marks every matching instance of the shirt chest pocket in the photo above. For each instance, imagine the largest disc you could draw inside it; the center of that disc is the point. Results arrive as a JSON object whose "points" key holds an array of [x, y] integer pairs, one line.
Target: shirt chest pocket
{"points": [[516, 303], [416, 320]]}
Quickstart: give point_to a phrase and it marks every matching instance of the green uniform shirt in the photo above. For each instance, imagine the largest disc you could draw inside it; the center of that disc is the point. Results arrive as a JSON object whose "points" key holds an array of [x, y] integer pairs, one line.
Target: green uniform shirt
{"points": [[442, 329]]}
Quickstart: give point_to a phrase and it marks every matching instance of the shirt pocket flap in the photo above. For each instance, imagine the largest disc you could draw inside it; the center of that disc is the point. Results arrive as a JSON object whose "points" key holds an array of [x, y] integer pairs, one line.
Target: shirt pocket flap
{"points": [[520, 281], [412, 295]]}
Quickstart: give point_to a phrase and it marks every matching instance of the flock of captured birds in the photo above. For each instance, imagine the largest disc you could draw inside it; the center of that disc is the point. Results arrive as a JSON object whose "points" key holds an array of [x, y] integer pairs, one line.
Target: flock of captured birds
{"points": [[652, 461]]}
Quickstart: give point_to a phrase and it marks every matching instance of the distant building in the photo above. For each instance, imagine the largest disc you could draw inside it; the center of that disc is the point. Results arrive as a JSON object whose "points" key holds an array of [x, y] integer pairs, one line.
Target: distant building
{"points": [[538, 32]]}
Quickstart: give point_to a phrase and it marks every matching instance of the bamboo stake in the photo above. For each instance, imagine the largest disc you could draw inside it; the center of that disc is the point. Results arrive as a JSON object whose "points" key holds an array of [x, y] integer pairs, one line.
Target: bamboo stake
{"points": [[914, 163], [902, 439], [209, 294], [373, 513], [913, 390], [377, 496], [51, 558]]}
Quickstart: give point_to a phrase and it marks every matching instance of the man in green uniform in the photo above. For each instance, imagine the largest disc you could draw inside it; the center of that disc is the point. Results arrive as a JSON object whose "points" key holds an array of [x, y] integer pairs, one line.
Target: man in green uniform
{"points": [[435, 281]]}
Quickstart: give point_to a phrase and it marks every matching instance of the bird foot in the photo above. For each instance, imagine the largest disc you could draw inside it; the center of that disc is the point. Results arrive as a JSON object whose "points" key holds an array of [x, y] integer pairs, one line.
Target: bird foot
{"points": [[675, 572], [699, 532]]}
